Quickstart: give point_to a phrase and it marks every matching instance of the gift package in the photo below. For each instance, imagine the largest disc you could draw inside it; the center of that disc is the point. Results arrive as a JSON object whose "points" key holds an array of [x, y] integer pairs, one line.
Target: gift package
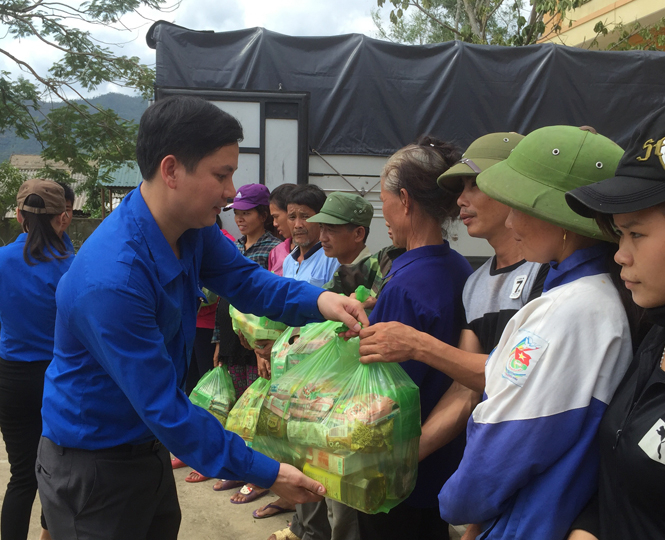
{"points": [[215, 393], [353, 427], [255, 328]]}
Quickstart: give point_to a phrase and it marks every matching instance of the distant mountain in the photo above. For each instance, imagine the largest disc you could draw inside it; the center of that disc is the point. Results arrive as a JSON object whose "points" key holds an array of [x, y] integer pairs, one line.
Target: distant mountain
{"points": [[128, 107]]}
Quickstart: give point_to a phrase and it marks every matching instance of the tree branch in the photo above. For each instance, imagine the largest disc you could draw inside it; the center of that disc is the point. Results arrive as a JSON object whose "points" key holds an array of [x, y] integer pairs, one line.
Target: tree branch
{"points": [[417, 5]]}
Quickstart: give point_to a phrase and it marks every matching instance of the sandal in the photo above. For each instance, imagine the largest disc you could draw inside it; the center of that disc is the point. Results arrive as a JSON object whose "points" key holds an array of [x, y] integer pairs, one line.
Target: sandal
{"points": [[195, 477], [280, 510], [177, 463], [284, 534], [250, 494], [225, 485]]}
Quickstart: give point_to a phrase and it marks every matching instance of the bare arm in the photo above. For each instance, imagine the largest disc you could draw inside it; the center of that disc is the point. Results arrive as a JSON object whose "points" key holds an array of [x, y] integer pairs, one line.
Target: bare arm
{"points": [[450, 416], [397, 342], [448, 419]]}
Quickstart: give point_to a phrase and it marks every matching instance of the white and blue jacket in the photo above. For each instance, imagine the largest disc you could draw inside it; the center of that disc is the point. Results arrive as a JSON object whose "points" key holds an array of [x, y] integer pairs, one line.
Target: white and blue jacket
{"points": [[531, 459]]}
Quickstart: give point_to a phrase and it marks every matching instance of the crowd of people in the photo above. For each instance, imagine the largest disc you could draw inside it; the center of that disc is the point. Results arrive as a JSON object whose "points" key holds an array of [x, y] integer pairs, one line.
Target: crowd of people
{"points": [[540, 374]]}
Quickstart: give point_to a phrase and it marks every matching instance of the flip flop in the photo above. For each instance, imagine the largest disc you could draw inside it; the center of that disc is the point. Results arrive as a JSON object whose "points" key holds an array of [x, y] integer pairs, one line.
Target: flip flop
{"points": [[228, 484], [177, 463], [279, 509], [250, 494], [192, 480]]}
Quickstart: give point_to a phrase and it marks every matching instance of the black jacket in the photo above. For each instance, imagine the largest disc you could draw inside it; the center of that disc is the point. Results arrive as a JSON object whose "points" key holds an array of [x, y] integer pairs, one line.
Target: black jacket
{"points": [[631, 497]]}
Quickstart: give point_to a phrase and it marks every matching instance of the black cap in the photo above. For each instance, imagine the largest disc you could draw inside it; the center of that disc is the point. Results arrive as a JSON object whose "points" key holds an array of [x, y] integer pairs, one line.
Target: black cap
{"points": [[639, 181]]}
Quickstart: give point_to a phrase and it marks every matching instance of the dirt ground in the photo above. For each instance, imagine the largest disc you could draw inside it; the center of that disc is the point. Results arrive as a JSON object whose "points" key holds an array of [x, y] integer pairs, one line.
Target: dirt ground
{"points": [[206, 514]]}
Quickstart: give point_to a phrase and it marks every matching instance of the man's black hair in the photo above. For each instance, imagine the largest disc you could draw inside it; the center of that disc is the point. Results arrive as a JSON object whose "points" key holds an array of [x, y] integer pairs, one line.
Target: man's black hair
{"points": [[186, 127], [308, 195], [69, 192]]}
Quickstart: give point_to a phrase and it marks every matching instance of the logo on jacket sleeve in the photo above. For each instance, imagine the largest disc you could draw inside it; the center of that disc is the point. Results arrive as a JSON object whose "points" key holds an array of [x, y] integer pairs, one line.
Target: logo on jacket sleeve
{"points": [[523, 357], [653, 442]]}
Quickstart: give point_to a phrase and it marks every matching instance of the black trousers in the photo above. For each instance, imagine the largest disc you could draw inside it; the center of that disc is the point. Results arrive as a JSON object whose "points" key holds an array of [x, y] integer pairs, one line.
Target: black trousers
{"points": [[201, 358], [122, 493], [21, 390], [403, 521]]}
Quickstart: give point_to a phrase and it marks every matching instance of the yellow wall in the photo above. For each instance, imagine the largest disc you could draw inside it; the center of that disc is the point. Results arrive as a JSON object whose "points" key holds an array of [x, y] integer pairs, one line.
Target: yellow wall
{"points": [[610, 12]]}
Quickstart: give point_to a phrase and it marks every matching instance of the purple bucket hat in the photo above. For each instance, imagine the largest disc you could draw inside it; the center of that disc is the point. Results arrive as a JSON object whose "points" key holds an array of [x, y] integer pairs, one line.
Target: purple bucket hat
{"points": [[250, 196]]}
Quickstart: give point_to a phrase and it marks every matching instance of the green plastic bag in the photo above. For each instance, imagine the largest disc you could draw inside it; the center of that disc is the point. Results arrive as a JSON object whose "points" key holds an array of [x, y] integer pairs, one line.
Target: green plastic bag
{"points": [[353, 427], [245, 413], [215, 393], [297, 344], [255, 328]]}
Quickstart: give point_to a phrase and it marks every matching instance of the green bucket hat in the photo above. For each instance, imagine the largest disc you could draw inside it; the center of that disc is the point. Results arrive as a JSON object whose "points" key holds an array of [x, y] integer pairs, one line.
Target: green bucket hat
{"points": [[482, 153], [544, 166], [343, 208]]}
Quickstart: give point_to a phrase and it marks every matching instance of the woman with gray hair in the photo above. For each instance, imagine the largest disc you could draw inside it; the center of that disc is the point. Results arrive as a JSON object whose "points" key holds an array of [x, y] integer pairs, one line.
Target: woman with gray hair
{"points": [[424, 290]]}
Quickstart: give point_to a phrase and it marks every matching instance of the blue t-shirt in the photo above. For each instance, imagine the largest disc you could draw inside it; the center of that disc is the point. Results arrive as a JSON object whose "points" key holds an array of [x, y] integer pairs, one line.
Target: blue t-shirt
{"points": [[27, 303], [424, 290], [316, 268], [124, 334]]}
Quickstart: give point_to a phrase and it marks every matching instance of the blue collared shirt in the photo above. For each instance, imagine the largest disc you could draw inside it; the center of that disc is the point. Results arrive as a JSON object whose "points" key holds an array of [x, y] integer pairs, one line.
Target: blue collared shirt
{"points": [[124, 335], [424, 290], [27, 303], [315, 268], [589, 261]]}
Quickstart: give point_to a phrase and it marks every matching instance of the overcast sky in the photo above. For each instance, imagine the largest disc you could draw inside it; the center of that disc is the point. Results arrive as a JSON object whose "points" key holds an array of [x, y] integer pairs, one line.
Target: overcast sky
{"points": [[292, 17]]}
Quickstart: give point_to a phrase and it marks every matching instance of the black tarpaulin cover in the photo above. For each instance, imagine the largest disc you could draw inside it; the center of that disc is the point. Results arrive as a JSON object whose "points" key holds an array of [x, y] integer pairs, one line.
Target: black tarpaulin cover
{"points": [[373, 97]]}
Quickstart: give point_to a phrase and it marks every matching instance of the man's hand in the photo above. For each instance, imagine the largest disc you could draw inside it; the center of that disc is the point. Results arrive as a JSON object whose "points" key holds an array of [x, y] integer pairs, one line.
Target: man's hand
{"points": [[388, 342], [263, 348], [336, 307], [367, 304], [263, 366], [294, 486]]}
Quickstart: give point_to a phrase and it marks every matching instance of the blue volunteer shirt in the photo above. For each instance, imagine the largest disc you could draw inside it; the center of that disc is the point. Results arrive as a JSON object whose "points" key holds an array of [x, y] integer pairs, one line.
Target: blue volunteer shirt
{"points": [[27, 303], [315, 268], [124, 335], [424, 290]]}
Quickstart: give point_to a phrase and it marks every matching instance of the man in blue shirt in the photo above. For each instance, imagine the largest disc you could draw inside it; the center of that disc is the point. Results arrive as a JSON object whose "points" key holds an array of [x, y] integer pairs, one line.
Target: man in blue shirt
{"points": [[308, 261], [124, 334]]}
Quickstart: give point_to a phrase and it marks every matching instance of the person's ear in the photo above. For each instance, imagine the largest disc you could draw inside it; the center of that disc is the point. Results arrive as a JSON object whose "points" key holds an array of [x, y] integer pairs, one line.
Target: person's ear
{"points": [[170, 170], [358, 234], [405, 199]]}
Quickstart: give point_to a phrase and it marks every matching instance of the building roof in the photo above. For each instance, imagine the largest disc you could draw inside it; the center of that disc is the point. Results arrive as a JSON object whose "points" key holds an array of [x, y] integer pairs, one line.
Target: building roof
{"points": [[128, 176]]}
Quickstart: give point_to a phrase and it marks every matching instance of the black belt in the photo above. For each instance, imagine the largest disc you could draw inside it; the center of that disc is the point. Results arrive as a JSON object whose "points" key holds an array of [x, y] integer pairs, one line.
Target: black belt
{"points": [[144, 448], [150, 446]]}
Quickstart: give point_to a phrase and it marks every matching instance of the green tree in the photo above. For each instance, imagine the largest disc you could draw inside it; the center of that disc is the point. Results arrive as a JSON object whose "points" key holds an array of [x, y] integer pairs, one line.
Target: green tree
{"points": [[500, 22], [85, 137], [10, 180]]}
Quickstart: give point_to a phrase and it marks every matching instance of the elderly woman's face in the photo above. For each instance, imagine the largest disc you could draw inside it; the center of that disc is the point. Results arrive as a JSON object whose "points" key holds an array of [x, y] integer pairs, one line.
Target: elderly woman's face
{"points": [[539, 240], [393, 213], [642, 255]]}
